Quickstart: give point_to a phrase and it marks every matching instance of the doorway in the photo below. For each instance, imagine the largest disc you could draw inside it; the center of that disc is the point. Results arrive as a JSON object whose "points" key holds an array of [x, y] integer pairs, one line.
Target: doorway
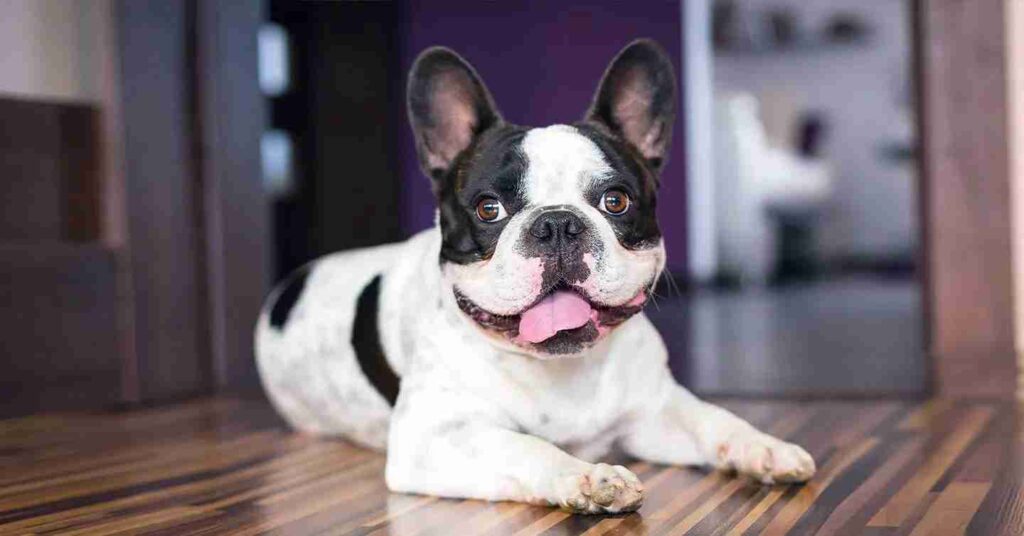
{"points": [[803, 184]]}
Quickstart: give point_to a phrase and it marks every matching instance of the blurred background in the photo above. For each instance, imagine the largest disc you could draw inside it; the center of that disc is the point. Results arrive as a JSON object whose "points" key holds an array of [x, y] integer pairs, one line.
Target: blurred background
{"points": [[164, 163], [803, 213]]}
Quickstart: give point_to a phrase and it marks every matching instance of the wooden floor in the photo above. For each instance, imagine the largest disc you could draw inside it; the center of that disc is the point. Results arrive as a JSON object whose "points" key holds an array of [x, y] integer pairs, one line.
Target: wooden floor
{"points": [[228, 466]]}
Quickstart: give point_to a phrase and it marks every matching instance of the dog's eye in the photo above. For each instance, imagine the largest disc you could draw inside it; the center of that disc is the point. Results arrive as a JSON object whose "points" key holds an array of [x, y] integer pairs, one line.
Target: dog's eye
{"points": [[615, 202], [490, 210]]}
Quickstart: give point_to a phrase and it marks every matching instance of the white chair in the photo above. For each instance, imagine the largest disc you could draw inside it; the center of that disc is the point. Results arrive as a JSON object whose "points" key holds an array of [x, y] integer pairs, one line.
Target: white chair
{"points": [[754, 179]]}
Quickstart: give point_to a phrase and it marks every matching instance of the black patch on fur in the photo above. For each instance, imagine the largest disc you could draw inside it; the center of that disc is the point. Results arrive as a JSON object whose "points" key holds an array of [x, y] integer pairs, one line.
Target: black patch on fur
{"points": [[366, 342], [288, 296], [556, 231], [638, 227], [559, 235], [558, 274], [493, 166]]}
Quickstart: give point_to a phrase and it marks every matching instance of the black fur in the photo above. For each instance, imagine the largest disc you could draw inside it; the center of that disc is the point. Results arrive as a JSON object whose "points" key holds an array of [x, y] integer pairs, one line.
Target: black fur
{"points": [[638, 227], [562, 252], [287, 297], [366, 342], [493, 166]]}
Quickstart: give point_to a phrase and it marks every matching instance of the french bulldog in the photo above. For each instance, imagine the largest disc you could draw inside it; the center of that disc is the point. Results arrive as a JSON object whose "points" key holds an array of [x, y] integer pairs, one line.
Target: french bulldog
{"points": [[501, 354]]}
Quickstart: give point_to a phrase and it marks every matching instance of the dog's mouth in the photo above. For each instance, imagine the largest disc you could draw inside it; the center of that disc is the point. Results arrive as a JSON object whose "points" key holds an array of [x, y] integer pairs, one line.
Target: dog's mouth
{"points": [[561, 321]]}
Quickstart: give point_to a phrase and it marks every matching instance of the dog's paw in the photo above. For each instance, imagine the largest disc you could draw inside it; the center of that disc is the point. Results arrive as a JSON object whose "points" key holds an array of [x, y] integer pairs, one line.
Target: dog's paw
{"points": [[603, 489], [764, 458]]}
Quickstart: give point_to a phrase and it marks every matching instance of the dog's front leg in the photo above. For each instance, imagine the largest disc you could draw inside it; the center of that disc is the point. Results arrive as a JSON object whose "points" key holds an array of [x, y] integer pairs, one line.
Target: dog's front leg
{"points": [[683, 430], [440, 445]]}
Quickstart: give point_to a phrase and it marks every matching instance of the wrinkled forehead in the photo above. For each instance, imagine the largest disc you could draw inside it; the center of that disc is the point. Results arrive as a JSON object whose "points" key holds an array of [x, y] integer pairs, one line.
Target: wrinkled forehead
{"points": [[561, 164]]}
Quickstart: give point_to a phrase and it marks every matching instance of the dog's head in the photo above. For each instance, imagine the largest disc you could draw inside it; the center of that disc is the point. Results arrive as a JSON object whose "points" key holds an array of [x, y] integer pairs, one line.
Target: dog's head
{"points": [[549, 236]]}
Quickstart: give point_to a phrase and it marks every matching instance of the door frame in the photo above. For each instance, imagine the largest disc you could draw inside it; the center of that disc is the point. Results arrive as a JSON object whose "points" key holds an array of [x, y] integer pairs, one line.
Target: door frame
{"points": [[197, 247], [964, 203], [960, 60]]}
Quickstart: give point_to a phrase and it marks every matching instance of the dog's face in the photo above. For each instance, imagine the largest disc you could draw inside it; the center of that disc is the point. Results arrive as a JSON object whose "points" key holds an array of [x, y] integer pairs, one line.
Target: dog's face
{"points": [[549, 236]]}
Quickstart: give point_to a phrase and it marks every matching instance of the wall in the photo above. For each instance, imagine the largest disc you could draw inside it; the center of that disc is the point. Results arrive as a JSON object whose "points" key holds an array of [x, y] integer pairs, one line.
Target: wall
{"points": [[864, 91], [542, 61], [52, 48], [63, 50], [700, 173], [966, 203]]}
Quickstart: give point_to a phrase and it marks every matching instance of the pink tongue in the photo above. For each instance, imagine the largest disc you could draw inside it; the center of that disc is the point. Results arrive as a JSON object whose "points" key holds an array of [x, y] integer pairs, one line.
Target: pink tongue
{"points": [[560, 311]]}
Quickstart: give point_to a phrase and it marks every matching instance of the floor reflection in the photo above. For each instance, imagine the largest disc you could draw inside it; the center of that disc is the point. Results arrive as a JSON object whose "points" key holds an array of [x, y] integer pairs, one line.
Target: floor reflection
{"points": [[848, 337]]}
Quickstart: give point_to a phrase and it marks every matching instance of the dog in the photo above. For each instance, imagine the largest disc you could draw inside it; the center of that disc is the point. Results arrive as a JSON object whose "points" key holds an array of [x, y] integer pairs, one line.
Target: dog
{"points": [[502, 353]]}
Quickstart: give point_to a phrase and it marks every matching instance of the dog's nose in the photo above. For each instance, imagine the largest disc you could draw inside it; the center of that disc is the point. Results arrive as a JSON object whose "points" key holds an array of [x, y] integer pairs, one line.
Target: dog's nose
{"points": [[557, 227]]}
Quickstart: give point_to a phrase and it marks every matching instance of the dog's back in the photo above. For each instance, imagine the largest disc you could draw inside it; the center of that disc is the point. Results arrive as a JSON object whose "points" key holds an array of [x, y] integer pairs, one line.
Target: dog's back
{"points": [[330, 339]]}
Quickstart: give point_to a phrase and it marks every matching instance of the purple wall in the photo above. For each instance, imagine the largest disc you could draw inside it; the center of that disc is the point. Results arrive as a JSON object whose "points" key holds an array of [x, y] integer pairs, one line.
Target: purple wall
{"points": [[542, 61]]}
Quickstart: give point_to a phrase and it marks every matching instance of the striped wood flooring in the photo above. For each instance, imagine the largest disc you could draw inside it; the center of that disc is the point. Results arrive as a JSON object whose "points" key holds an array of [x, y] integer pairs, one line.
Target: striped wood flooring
{"points": [[229, 466]]}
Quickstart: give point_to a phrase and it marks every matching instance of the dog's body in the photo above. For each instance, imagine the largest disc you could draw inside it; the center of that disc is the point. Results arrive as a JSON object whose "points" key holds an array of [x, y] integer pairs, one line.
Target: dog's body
{"points": [[513, 327]]}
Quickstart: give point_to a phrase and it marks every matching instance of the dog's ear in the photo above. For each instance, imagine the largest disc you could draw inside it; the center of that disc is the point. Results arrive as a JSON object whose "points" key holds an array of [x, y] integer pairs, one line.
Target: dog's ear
{"points": [[636, 100], [448, 107]]}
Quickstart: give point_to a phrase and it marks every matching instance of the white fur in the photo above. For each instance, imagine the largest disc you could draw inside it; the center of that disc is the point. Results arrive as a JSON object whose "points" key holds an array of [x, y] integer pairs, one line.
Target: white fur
{"points": [[482, 419], [562, 164]]}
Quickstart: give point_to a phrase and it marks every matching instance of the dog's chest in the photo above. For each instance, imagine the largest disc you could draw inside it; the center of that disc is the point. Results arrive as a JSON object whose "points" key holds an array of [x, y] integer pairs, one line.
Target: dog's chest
{"points": [[574, 430], [570, 406]]}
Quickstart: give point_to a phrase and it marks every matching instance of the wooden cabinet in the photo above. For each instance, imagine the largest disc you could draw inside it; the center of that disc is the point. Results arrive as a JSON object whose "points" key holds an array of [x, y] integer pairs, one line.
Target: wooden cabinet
{"points": [[132, 234]]}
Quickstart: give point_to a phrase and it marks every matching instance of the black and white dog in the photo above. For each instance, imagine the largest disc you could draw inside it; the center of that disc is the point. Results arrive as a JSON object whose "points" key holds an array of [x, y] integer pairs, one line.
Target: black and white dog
{"points": [[514, 324]]}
